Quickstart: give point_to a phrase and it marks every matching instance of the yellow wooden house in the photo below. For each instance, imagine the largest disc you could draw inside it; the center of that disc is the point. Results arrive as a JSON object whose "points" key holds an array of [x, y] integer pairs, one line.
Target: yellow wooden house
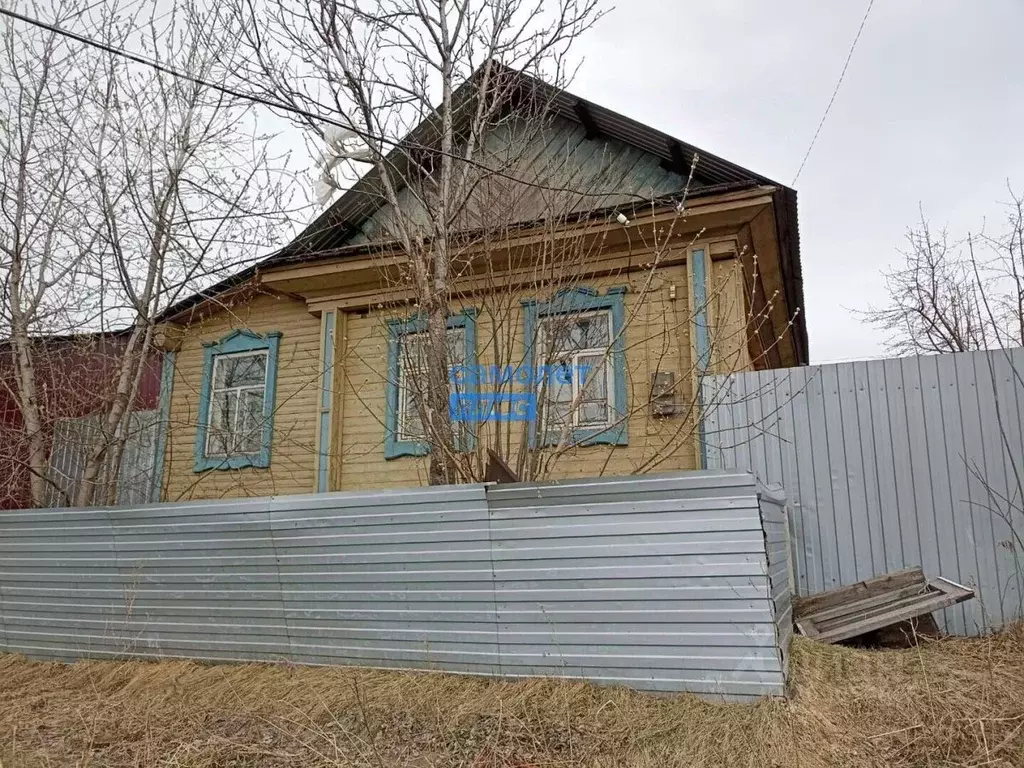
{"points": [[295, 375]]}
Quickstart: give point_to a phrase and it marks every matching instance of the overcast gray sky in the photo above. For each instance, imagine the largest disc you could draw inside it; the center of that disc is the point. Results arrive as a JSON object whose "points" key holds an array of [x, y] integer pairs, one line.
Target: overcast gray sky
{"points": [[931, 112]]}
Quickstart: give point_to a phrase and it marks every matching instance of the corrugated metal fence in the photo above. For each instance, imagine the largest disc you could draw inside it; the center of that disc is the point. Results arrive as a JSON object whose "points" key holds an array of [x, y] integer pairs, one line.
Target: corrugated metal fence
{"points": [[74, 439], [659, 582], [889, 464]]}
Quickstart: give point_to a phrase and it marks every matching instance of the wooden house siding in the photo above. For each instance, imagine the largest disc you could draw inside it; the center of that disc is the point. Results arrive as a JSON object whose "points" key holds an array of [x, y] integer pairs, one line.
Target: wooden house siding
{"points": [[568, 173], [292, 459], [657, 338]]}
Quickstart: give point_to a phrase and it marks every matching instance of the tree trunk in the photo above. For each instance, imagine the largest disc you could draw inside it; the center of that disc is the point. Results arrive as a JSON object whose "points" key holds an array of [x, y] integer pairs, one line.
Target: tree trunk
{"points": [[32, 418], [112, 434]]}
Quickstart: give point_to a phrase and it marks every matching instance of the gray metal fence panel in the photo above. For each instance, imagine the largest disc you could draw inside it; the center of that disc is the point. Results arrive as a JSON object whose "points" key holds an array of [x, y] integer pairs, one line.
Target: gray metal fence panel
{"points": [[889, 464], [775, 523], [654, 582], [397, 579], [74, 439], [657, 582]]}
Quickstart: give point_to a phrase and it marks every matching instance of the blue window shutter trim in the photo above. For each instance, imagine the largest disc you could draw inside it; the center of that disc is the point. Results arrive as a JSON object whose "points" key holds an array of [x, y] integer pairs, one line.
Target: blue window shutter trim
{"points": [[326, 396], [393, 447], [238, 341], [467, 320], [573, 300], [166, 387], [702, 340]]}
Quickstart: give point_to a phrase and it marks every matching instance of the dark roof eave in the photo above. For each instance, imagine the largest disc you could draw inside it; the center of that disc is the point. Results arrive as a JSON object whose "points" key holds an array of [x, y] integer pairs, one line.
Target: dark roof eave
{"points": [[788, 232], [172, 312], [283, 257]]}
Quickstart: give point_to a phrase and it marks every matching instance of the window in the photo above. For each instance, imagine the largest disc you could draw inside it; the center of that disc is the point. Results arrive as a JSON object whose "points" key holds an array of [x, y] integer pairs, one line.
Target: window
{"points": [[412, 377], [577, 390], [235, 425], [579, 334], [407, 377], [237, 402]]}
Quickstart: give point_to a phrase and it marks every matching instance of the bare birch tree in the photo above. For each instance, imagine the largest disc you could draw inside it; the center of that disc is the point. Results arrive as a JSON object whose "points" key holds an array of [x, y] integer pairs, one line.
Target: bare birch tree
{"points": [[145, 187], [185, 187], [372, 72], [46, 231]]}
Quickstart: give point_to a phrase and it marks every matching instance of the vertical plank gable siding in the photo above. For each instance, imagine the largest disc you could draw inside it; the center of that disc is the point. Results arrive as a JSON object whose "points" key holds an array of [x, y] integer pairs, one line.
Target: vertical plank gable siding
{"points": [[596, 173], [883, 462], [659, 583]]}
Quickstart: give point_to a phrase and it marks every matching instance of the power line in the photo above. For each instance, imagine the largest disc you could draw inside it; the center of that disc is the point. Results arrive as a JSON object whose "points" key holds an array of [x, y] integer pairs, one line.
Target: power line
{"points": [[831, 101], [138, 59], [279, 105]]}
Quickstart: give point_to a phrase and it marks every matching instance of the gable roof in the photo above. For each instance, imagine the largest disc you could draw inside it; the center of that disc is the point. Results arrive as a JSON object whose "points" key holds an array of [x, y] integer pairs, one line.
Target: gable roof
{"points": [[341, 224], [335, 227]]}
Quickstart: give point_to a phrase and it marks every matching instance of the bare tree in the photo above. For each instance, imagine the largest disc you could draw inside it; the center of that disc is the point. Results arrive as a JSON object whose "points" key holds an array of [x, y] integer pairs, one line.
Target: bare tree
{"points": [[968, 295], [185, 187], [46, 231], [132, 188], [427, 98], [377, 70], [956, 295]]}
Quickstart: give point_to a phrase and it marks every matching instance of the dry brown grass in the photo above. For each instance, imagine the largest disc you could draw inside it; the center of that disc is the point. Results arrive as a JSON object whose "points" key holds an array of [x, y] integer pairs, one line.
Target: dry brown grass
{"points": [[950, 702]]}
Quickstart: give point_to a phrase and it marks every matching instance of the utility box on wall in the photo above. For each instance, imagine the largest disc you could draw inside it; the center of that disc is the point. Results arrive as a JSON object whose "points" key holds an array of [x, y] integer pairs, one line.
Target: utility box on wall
{"points": [[663, 394]]}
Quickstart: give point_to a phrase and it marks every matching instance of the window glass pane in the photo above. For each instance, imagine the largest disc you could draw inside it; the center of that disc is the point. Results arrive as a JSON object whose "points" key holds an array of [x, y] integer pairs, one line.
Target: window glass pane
{"points": [[593, 377], [249, 437], [416, 346], [591, 332], [559, 383], [456, 338], [412, 376], [562, 340], [557, 414], [412, 352], [247, 371], [593, 373], [250, 371], [410, 424], [239, 370], [236, 407], [222, 411], [570, 333], [556, 337], [220, 371]]}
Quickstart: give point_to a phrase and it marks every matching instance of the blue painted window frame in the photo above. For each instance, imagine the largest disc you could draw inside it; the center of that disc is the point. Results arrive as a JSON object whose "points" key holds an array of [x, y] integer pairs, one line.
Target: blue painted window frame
{"points": [[235, 342], [323, 459], [393, 447], [166, 388], [701, 342], [576, 301]]}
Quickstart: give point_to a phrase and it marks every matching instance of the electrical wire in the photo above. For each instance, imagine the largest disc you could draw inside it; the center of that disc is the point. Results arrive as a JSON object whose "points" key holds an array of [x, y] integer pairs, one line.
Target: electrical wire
{"points": [[139, 59], [835, 91]]}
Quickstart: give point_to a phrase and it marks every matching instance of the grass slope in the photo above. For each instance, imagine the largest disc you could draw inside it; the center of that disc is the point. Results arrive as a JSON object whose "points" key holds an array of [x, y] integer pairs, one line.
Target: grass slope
{"points": [[951, 702]]}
